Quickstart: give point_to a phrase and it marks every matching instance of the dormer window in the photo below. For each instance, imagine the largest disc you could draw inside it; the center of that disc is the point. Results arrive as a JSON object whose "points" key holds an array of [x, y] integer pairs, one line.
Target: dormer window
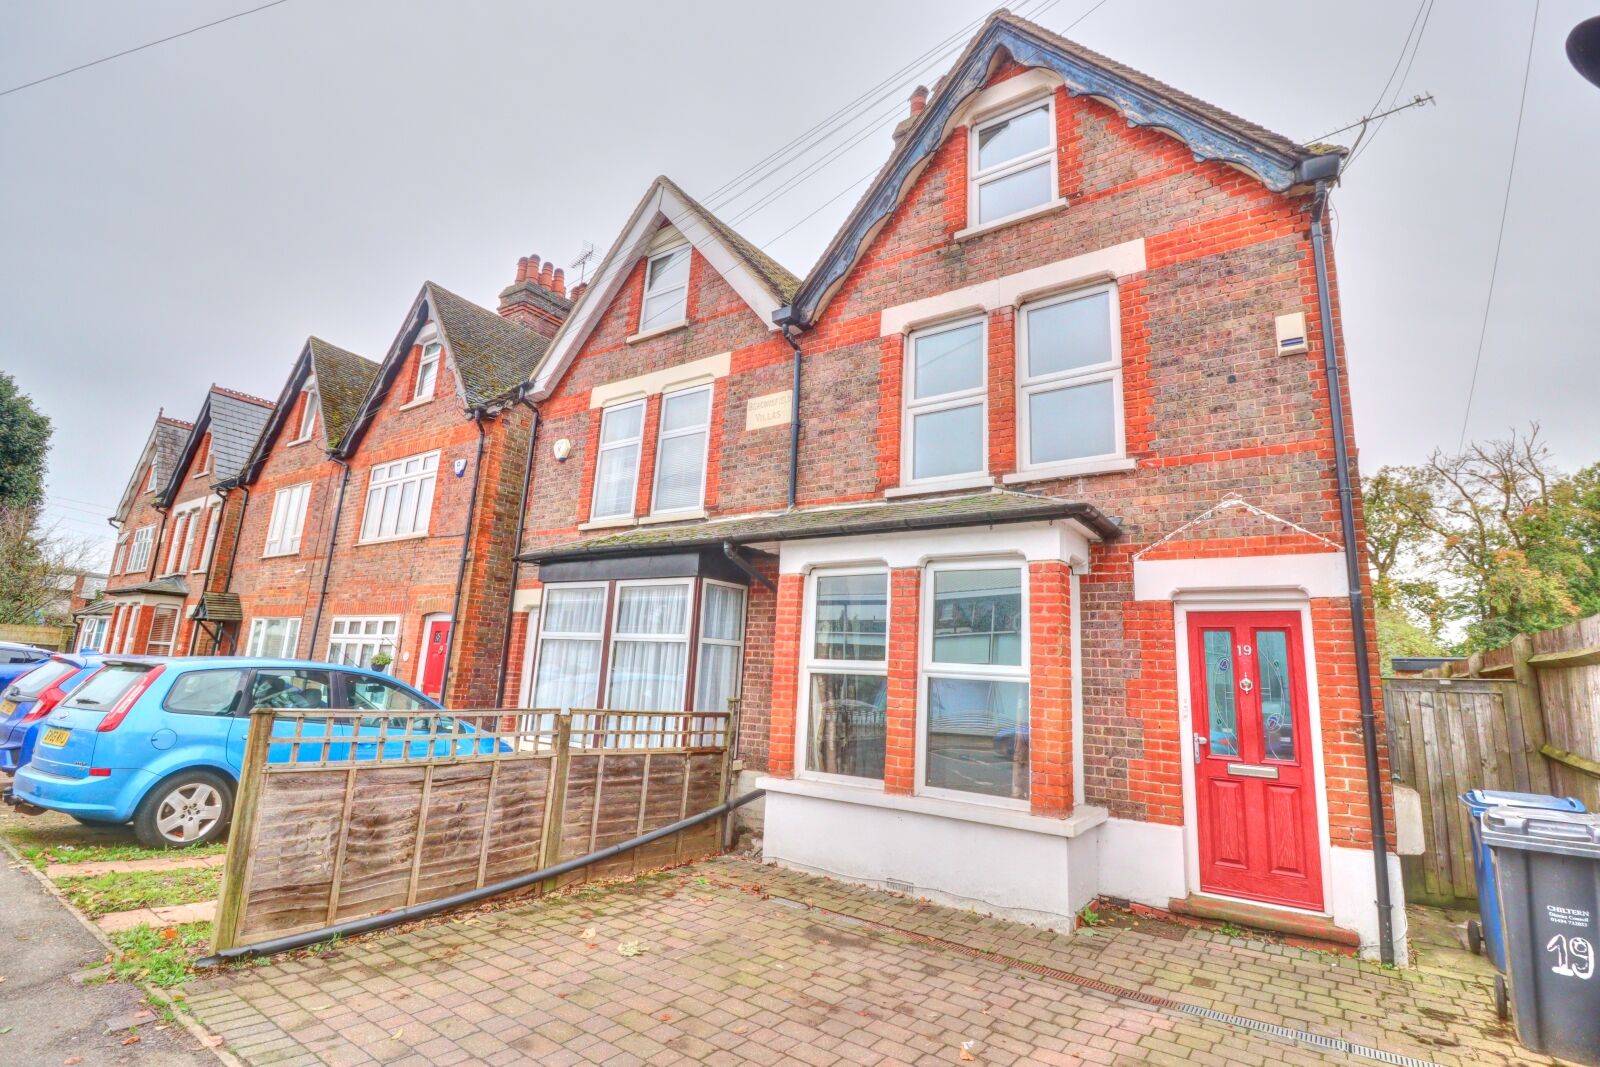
{"points": [[308, 413], [150, 479], [427, 372], [202, 462], [666, 289], [1013, 163]]}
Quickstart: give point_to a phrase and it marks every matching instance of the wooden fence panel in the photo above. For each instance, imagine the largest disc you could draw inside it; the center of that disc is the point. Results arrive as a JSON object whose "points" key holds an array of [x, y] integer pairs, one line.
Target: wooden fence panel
{"points": [[328, 830]]}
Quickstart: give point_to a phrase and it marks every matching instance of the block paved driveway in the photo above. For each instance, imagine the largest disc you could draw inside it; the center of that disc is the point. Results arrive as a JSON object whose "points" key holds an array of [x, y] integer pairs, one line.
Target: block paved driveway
{"points": [[730, 962]]}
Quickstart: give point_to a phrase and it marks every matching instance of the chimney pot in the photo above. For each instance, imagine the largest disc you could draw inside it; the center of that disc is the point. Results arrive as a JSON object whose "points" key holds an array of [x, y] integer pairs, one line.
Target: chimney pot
{"points": [[577, 291], [522, 269], [560, 280], [546, 275], [919, 100]]}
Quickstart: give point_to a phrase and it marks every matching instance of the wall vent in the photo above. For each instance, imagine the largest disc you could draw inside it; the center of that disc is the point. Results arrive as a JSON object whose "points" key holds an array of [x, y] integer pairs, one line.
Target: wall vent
{"points": [[894, 885]]}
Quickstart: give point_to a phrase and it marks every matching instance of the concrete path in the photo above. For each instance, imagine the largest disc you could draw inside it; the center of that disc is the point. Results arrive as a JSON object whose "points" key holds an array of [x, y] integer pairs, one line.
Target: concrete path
{"points": [[200, 911], [176, 862], [49, 1019]]}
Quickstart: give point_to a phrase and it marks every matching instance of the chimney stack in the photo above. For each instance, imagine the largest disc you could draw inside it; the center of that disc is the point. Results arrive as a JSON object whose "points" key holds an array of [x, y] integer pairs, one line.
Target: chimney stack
{"points": [[577, 292], [537, 298], [919, 100]]}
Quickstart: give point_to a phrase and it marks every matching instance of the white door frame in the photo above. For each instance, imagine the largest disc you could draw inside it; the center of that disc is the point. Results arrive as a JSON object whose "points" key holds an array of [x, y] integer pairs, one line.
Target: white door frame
{"points": [[422, 652], [1294, 600]]}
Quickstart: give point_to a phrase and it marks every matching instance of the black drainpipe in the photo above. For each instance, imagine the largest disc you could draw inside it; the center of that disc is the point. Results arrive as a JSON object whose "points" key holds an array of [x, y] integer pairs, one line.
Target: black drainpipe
{"points": [[1352, 567], [461, 568], [516, 564], [786, 318], [327, 560]]}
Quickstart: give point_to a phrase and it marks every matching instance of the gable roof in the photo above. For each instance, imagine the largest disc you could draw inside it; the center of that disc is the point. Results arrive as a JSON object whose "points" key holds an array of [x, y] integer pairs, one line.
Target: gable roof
{"points": [[235, 421], [162, 447], [1209, 131], [491, 355], [343, 378], [761, 281]]}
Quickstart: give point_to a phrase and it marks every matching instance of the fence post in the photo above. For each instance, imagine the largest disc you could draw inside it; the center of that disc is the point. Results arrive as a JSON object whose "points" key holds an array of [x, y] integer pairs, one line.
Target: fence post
{"points": [[1530, 712], [235, 872], [555, 823]]}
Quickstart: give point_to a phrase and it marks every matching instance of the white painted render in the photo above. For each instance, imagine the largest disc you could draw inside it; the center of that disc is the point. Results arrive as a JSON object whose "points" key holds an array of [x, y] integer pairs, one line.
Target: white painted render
{"points": [[1310, 574], [1142, 862], [1032, 541], [697, 372], [1354, 901]]}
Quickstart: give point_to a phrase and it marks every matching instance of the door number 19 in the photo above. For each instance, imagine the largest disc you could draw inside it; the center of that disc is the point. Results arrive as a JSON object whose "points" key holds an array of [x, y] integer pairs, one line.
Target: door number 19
{"points": [[1574, 956]]}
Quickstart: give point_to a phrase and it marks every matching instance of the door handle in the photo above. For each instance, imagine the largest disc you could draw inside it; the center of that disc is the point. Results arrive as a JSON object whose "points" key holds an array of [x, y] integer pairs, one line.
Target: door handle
{"points": [[1200, 742]]}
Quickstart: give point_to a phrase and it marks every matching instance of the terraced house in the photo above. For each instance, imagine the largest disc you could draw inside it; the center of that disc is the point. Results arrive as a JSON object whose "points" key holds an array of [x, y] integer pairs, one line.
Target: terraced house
{"points": [[1022, 532]]}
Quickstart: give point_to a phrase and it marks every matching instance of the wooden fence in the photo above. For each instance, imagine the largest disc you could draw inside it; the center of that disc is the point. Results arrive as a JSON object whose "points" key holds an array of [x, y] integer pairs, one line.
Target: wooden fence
{"points": [[1525, 717], [55, 638], [341, 816]]}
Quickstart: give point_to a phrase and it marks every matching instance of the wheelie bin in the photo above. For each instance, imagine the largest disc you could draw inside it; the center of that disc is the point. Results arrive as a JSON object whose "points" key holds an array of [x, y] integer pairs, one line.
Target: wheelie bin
{"points": [[1547, 870], [1483, 933]]}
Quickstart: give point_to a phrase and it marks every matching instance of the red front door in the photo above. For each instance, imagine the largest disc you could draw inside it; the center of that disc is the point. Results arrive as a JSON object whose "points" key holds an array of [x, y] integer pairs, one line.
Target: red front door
{"points": [[1255, 786], [438, 647]]}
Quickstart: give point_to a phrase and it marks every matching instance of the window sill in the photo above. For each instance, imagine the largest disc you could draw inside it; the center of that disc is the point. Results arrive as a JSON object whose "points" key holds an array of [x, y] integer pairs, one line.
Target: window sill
{"points": [[687, 515], [415, 402], [1009, 220], [971, 481], [287, 555], [297, 441], [1082, 819], [1071, 470], [609, 524], [391, 540], [645, 335]]}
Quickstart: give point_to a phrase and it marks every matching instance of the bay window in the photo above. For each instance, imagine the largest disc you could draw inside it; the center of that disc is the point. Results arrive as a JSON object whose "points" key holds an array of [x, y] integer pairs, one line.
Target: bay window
{"points": [[974, 732], [569, 647], [845, 674], [681, 450], [1013, 163], [666, 289], [649, 646], [946, 402], [616, 473], [1070, 380], [721, 646]]}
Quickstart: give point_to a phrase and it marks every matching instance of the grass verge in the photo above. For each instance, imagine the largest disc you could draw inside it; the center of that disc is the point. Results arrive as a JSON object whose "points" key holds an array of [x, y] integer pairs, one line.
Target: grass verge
{"points": [[52, 838], [103, 894], [160, 956]]}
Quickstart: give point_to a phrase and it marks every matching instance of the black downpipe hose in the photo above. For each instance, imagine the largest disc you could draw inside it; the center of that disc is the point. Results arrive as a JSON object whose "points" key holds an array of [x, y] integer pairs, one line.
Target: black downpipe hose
{"points": [[1352, 567], [327, 562], [461, 568], [471, 896]]}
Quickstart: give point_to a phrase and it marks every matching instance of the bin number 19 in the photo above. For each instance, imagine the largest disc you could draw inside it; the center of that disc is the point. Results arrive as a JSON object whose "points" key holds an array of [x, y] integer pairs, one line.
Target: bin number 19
{"points": [[1574, 956]]}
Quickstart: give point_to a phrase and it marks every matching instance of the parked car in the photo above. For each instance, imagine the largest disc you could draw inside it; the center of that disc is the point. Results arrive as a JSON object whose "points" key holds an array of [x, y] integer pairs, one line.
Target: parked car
{"points": [[159, 743], [35, 695], [17, 660]]}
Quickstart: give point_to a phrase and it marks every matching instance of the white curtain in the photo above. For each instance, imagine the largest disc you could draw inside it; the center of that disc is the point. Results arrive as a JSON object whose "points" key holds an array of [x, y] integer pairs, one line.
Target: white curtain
{"points": [[724, 608], [648, 675], [719, 677], [569, 674], [659, 610], [575, 611]]}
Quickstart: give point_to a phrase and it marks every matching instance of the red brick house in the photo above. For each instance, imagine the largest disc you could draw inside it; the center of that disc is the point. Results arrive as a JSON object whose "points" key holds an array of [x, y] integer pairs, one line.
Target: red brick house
{"points": [[178, 520], [1062, 604], [384, 497]]}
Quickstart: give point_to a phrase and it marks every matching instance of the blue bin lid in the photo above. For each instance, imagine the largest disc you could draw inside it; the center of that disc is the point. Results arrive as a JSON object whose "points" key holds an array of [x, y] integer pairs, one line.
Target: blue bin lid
{"points": [[1481, 800]]}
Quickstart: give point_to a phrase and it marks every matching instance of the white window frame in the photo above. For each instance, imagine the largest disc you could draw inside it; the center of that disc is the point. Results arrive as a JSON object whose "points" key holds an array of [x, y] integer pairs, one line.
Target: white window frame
{"points": [[203, 460], [92, 633], [645, 719], [180, 525], [599, 637], [427, 483], [428, 364], [663, 435], [289, 505], [140, 547], [287, 647], [1028, 385], [308, 413], [978, 177], [120, 556], [638, 460], [683, 298], [213, 520], [810, 664], [911, 407], [702, 640], [927, 670], [150, 479], [380, 642], [166, 646]]}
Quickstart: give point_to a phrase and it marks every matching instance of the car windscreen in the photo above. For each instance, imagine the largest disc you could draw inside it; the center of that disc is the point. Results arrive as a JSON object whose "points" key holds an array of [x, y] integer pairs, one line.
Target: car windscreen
{"points": [[36, 681], [102, 690]]}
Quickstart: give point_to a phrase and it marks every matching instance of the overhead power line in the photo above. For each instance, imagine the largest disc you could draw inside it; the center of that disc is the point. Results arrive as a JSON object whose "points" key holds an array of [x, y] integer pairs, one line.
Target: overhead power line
{"points": [[136, 48], [1499, 241]]}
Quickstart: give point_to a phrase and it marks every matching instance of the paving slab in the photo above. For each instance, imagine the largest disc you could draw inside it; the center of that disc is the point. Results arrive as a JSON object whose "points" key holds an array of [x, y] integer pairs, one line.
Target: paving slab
{"points": [[172, 915], [177, 862]]}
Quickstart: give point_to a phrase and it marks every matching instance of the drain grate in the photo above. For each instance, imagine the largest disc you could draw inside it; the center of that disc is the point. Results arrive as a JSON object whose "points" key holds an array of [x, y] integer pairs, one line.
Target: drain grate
{"points": [[1304, 1037]]}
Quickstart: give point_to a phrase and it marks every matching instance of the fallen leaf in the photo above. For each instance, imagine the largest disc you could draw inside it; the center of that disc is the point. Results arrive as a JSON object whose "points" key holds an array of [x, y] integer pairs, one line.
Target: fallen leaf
{"points": [[213, 1041], [132, 1039], [71, 1061], [169, 933], [665, 1016], [630, 948], [5, 1029], [397, 1033], [966, 1052], [589, 934]]}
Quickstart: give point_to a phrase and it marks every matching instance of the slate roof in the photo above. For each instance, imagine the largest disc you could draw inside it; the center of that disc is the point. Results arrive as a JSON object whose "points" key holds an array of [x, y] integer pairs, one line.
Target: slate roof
{"points": [[236, 422], [777, 277], [172, 585], [98, 607], [991, 508], [492, 355], [170, 437], [343, 379]]}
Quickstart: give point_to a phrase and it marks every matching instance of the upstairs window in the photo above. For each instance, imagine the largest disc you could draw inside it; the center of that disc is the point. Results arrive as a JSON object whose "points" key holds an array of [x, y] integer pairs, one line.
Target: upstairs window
{"points": [[308, 413], [681, 450], [400, 498], [427, 371], [202, 462], [139, 552], [616, 471], [1070, 380], [287, 521], [213, 519], [150, 479], [946, 400], [666, 289], [1013, 163]]}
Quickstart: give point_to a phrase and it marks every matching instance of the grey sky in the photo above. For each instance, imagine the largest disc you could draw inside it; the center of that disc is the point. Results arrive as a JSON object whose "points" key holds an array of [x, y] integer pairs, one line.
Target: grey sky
{"points": [[190, 213]]}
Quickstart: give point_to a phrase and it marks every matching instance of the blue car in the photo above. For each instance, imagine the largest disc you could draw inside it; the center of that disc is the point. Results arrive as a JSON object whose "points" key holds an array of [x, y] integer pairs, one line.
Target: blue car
{"points": [[17, 660], [35, 695], [159, 742]]}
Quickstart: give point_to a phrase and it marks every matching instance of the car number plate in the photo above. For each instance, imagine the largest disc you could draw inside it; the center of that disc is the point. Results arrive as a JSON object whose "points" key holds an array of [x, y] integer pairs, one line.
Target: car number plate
{"points": [[55, 737]]}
